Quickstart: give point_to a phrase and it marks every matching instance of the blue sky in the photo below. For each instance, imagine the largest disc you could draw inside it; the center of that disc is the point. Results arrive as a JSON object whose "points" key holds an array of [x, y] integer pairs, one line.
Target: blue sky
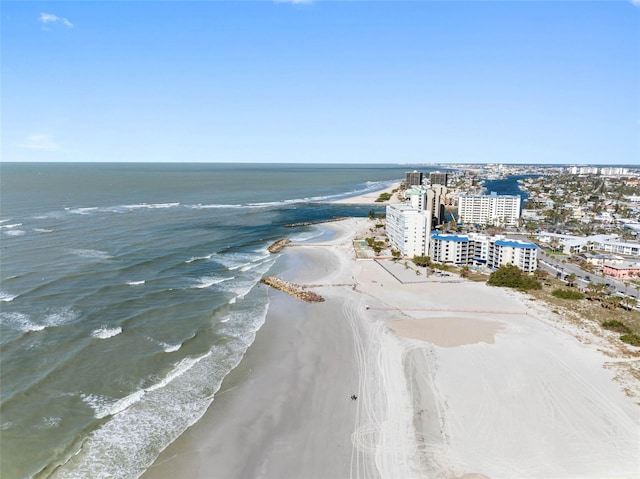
{"points": [[322, 81]]}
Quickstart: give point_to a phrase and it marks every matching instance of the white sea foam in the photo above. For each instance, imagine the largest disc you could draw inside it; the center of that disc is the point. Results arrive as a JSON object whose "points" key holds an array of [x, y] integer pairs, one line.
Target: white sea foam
{"points": [[128, 442], [207, 281], [135, 283], [20, 321], [6, 425], [42, 230], [202, 207], [238, 266], [104, 333], [307, 235], [14, 232], [236, 261], [152, 205], [82, 211], [52, 421], [171, 348], [200, 258], [166, 347], [91, 253], [179, 369], [10, 226], [59, 317], [6, 297], [104, 406]]}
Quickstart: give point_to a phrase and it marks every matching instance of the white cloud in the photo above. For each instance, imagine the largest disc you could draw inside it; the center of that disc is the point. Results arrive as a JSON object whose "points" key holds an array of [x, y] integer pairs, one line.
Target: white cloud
{"points": [[39, 141], [636, 2], [51, 18]]}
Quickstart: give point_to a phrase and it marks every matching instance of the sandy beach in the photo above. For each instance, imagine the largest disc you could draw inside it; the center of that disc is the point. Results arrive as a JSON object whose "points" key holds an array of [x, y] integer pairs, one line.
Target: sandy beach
{"points": [[454, 379], [370, 198]]}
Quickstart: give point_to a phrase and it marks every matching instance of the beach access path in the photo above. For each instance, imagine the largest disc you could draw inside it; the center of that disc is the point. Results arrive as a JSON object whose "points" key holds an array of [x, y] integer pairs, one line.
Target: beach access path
{"points": [[453, 380]]}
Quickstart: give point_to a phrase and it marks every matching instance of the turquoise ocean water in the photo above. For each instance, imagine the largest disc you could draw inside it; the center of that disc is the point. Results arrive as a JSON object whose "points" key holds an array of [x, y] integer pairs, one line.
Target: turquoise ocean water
{"points": [[129, 291]]}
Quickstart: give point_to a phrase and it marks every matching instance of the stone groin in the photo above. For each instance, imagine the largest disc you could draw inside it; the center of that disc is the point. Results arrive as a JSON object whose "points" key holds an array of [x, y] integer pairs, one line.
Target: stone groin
{"points": [[319, 222], [278, 245], [293, 289]]}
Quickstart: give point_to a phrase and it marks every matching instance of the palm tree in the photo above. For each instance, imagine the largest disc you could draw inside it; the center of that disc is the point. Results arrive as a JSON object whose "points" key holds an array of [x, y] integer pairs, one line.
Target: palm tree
{"points": [[464, 271], [596, 292], [571, 279], [612, 302]]}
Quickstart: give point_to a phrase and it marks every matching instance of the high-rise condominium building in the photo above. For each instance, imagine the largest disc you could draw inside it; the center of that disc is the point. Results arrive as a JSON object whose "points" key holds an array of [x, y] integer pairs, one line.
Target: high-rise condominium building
{"points": [[408, 229], [490, 209], [413, 178], [438, 178]]}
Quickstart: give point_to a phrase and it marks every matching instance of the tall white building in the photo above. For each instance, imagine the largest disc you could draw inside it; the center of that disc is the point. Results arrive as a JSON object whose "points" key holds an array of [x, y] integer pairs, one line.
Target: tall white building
{"points": [[408, 229], [490, 209], [431, 199]]}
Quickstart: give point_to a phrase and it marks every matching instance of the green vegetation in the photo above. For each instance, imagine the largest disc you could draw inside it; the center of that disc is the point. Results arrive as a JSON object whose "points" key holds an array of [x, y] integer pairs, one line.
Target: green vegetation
{"points": [[627, 335], [617, 326], [423, 261], [375, 245], [442, 267], [567, 294], [383, 197], [631, 338], [510, 276], [464, 271]]}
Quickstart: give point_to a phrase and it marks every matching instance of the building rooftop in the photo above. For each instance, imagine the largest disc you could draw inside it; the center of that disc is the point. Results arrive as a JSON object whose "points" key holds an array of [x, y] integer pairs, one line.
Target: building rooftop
{"points": [[449, 237], [516, 244]]}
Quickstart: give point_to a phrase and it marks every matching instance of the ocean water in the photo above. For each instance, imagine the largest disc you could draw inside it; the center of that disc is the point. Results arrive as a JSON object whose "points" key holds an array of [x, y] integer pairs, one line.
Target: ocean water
{"points": [[129, 291], [508, 186]]}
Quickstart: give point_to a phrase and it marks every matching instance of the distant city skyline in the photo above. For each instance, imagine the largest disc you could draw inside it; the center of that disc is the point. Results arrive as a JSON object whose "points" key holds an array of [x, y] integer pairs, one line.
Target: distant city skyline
{"points": [[409, 83]]}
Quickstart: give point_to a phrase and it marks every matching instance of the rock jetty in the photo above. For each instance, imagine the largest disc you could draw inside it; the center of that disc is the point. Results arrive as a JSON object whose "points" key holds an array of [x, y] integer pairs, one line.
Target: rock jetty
{"points": [[278, 245], [293, 289], [319, 222]]}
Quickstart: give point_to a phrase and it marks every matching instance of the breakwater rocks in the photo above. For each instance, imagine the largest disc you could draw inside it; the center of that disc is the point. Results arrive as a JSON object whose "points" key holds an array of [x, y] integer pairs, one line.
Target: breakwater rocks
{"points": [[278, 245], [293, 289], [319, 222]]}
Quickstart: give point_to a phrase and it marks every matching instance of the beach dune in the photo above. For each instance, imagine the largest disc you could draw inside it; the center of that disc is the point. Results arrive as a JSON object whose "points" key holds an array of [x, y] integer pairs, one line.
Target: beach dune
{"points": [[453, 380]]}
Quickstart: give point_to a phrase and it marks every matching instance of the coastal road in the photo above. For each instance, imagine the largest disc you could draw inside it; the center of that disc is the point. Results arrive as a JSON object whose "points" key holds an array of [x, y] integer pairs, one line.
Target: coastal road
{"points": [[551, 264]]}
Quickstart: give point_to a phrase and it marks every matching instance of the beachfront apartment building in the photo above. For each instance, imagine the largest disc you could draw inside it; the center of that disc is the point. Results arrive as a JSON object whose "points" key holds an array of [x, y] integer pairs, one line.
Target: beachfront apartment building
{"points": [[408, 229], [431, 199], [504, 251], [484, 250], [490, 209]]}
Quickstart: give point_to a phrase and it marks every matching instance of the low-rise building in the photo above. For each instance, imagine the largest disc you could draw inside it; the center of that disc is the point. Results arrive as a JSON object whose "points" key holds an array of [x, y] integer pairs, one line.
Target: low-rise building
{"points": [[570, 244], [479, 249], [622, 270]]}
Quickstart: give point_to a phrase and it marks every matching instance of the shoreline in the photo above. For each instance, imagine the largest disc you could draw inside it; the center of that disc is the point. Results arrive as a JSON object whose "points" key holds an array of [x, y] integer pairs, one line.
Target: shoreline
{"points": [[496, 395], [370, 198]]}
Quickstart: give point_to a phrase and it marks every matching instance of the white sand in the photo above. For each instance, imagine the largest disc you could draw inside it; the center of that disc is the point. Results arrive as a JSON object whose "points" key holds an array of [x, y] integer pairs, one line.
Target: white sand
{"points": [[503, 392], [370, 198]]}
